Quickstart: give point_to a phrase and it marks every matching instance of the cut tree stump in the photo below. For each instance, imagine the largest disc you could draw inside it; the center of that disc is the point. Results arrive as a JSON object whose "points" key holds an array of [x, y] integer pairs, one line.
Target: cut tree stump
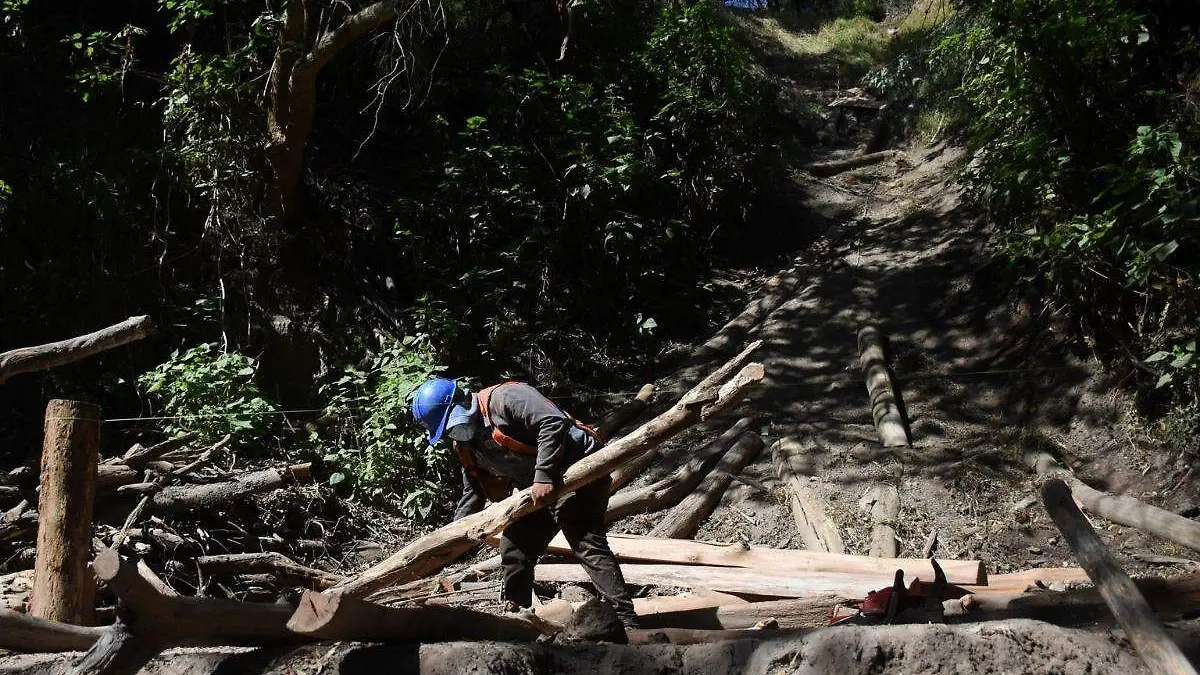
{"points": [[670, 490], [70, 453], [41, 357], [24, 633], [1121, 509], [637, 549], [717, 393], [179, 497], [816, 529], [685, 518], [882, 504], [885, 406], [337, 616], [840, 165], [149, 622], [277, 564], [1124, 599]]}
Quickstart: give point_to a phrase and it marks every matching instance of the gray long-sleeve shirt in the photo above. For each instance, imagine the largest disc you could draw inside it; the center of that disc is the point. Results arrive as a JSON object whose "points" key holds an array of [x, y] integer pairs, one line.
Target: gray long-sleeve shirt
{"points": [[521, 412]]}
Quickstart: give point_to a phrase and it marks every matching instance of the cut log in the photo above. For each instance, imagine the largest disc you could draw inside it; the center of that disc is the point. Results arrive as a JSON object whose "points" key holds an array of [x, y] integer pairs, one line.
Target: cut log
{"points": [[277, 564], [758, 582], [885, 406], [24, 633], [212, 495], [1125, 601], [775, 291], [636, 549], [628, 412], [1039, 577], [882, 503], [1121, 509], [683, 521], [812, 522], [138, 456], [113, 475], [840, 165], [337, 616], [693, 612], [149, 622], [70, 453], [670, 490], [717, 393], [1171, 599], [41, 357]]}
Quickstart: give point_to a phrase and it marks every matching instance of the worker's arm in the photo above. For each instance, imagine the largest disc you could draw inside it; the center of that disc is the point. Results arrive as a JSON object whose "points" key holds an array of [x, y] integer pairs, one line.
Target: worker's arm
{"points": [[472, 499], [525, 406]]}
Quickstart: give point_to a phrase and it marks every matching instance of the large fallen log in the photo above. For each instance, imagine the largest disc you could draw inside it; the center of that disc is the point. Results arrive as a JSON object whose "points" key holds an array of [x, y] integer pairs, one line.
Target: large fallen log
{"points": [[770, 296], [41, 357], [1120, 509], [636, 549], [276, 564], [816, 528], [797, 613], [683, 521], [24, 633], [338, 616], [628, 412], [633, 466], [717, 393], [1171, 599], [839, 165], [670, 490], [758, 582], [1127, 603], [885, 405], [882, 504], [148, 622], [211, 495]]}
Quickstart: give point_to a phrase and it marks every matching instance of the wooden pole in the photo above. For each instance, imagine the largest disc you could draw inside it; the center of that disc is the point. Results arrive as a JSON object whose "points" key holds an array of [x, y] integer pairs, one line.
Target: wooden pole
{"points": [[70, 453], [816, 528], [1126, 602], [885, 408], [41, 357], [682, 521]]}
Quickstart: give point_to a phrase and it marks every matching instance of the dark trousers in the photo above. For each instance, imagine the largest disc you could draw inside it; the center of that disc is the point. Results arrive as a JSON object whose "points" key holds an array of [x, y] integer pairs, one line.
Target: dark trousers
{"points": [[580, 515]]}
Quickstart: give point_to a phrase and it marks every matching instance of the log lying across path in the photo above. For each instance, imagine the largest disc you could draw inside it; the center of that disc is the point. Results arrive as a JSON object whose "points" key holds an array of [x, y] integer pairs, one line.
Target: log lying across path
{"points": [[670, 490], [885, 405], [1127, 603], [634, 549], [839, 165], [682, 521], [1122, 510], [41, 357], [816, 528], [717, 393], [882, 504]]}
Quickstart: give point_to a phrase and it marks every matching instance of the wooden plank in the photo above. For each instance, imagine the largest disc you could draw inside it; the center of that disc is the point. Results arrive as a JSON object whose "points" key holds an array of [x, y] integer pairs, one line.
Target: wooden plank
{"points": [[814, 525], [1126, 602], [634, 548], [685, 518]]}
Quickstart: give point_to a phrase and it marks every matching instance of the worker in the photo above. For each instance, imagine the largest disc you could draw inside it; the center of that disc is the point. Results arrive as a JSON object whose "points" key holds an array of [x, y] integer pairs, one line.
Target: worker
{"points": [[511, 435]]}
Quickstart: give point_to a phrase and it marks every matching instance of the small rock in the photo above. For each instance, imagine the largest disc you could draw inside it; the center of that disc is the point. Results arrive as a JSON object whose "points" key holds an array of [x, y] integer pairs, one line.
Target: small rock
{"points": [[595, 621], [1060, 586]]}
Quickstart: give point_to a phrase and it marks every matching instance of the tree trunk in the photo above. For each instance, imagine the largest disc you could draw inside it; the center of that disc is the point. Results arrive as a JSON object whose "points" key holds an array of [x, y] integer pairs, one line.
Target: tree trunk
{"points": [[668, 491], [628, 412], [24, 633], [276, 564], [342, 617], [41, 357], [177, 497], [70, 452], [685, 519], [818, 531], [716, 394], [1127, 603]]}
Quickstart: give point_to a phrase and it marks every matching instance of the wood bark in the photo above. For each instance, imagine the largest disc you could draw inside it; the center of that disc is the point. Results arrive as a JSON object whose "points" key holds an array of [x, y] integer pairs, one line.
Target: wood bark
{"points": [[840, 165], [800, 613], [338, 616], [717, 393], [885, 407], [684, 520], [670, 490], [628, 412], [882, 503], [178, 497], [70, 453], [24, 633], [1171, 599], [636, 549], [276, 564], [759, 582], [777, 290], [816, 528], [1121, 509], [1125, 601], [138, 456], [42, 357]]}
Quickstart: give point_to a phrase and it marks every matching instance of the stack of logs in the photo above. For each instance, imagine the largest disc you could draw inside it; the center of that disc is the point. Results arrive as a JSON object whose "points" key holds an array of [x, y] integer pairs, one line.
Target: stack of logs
{"points": [[731, 590]]}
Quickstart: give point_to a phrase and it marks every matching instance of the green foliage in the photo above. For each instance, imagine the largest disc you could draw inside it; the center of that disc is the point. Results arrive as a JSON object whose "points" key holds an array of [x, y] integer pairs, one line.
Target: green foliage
{"points": [[211, 392], [373, 441]]}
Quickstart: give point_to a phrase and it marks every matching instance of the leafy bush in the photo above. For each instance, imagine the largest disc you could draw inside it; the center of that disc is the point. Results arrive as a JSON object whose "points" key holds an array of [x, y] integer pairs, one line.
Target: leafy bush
{"points": [[211, 392], [372, 440]]}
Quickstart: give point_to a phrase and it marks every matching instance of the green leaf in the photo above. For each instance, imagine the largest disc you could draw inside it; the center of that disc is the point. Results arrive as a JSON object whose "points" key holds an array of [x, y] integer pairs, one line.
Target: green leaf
{"points": [[337, 478], [1164, 380], [1157, 356]]}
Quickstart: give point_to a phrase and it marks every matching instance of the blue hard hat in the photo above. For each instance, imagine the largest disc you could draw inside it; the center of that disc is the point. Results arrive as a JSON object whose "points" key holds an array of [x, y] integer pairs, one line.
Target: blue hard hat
{"points": [[431, 406]]}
